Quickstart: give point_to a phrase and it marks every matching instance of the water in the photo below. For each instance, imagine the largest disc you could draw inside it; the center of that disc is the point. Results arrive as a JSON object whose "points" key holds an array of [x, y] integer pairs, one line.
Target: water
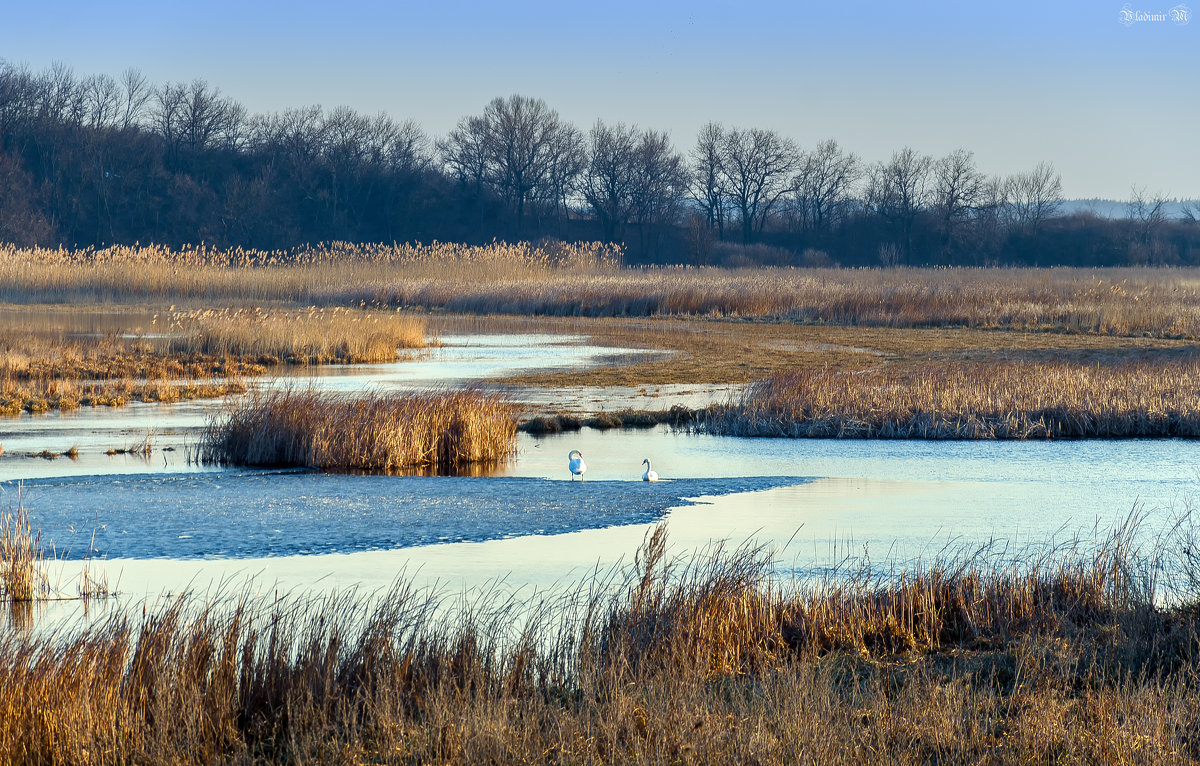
{"points": [[164, 523]]}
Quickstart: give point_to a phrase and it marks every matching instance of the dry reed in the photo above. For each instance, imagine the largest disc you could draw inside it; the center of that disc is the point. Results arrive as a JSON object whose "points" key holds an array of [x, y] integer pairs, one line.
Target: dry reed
{"points": [[310, 336], [585, 279], [22, 566], [975, 400], [1059, 655], [42, 395], [443, 431]]}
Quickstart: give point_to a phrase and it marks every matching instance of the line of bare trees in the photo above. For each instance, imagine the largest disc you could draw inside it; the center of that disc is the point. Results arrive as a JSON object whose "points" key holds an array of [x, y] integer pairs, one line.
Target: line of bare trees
{"points": [[94, 160]]}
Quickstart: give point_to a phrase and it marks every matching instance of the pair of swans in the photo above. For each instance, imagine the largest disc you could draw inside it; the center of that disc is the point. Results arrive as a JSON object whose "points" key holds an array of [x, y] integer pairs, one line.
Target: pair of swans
{"points": [[578, 467]]}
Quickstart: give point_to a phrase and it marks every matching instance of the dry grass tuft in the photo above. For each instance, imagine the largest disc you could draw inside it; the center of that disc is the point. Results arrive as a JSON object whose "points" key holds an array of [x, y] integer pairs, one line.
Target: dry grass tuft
{"points": [[22, 565], [443, 431], [986, 400]]}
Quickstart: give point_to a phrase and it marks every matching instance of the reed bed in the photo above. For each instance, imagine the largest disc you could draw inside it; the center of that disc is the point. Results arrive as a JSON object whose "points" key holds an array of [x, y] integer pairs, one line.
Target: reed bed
{"points": [[49, 361], [971, 400], [1059, 656], [446, 431], [311, 336], [585, 279], [44, 395], [199, 342], [148, 274]]}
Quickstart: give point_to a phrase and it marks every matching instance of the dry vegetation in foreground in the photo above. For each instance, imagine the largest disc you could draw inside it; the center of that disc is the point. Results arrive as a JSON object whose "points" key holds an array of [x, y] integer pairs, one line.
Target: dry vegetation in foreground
{"points": [[443, 431], [24, 575], [585, 280], [1057, 656], [979, 400]]}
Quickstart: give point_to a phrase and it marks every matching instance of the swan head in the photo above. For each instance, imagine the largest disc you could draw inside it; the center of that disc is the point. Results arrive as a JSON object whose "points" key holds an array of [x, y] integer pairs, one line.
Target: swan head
{"points": [[646, 461]]}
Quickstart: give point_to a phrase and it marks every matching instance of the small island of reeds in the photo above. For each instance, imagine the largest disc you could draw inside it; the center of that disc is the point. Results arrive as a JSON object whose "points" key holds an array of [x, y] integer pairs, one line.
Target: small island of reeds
{"points": [[442, 431]]}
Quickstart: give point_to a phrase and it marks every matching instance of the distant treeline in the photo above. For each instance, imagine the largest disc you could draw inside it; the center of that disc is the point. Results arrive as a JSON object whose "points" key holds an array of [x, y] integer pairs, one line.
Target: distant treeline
{"points": [[100, 160]]}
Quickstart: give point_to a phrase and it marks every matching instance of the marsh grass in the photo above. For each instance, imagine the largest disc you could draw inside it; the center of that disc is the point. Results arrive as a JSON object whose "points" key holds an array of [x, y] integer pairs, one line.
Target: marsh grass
{"points": [[1059, 653], [585, 279], [446, 431], [22, 560], [309, 336], [304, 275], [198, 343], [43, 395], [972, 400], [180, 355]]}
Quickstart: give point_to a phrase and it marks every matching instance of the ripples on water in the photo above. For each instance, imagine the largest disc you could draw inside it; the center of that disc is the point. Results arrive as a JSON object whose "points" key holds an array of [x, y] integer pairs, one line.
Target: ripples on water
{"points": [[238, 515]]}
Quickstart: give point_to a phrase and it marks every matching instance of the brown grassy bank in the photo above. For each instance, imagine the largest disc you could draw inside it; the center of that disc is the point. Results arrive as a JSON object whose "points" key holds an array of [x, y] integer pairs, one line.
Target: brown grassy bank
{"points": [[974, 400], [195, 343], [585, 280], [51, 360], [41, 395], [1058, 657], [444, 431]]}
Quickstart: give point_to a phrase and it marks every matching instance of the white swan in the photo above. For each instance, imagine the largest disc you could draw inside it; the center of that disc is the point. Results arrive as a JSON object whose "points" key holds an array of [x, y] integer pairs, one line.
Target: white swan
{"points": [[576, 464], [649, 475]]}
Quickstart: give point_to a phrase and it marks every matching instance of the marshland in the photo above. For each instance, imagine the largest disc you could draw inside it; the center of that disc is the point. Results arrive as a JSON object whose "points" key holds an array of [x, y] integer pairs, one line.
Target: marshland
{"points": [[314, 505]]}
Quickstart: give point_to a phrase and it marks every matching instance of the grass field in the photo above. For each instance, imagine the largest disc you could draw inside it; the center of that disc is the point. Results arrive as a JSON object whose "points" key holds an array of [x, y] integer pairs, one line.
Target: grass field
{"points": [[156, 316], [587, 280]]}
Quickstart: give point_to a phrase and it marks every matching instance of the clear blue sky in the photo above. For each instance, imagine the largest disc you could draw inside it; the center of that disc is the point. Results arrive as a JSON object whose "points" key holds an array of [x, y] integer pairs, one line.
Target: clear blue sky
{"points": [[1110, 105]]}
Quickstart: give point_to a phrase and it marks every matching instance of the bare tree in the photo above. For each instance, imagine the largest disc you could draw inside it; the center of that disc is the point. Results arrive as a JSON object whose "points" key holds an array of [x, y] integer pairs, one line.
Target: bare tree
{"points": [[988, 222], [102, 101], [958, 188], [137, 95], [567, 162], [706, 176], [661, 182], [61, 101], [1149, 212], [756, 166], [515, 138], [609, 181], [1033, 197], [898, 191], [1189, 211], [196, 117], [825, 184]]}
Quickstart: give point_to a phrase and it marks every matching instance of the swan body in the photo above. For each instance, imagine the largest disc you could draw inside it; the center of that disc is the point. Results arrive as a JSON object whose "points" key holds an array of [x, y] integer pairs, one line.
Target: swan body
{"points": [[575, 464], [650, 474]]}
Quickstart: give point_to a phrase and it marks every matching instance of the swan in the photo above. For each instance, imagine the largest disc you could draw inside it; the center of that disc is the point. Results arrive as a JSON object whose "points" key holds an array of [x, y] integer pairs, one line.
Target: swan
{"points": [[649, 475], [576, 464]]}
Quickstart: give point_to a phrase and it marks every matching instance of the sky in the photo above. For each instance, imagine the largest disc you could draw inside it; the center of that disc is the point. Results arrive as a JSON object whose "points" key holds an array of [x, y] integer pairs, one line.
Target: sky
{"points": [[1112, 105]]}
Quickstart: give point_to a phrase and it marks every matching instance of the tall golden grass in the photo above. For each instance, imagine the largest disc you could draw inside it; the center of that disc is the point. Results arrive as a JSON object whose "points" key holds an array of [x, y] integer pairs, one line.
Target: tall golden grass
{"points": [[445, 431], [1059, 656], [971, 400], [311, 336], [54, 361], [145, 274], [586, 279], [41, 395]]}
